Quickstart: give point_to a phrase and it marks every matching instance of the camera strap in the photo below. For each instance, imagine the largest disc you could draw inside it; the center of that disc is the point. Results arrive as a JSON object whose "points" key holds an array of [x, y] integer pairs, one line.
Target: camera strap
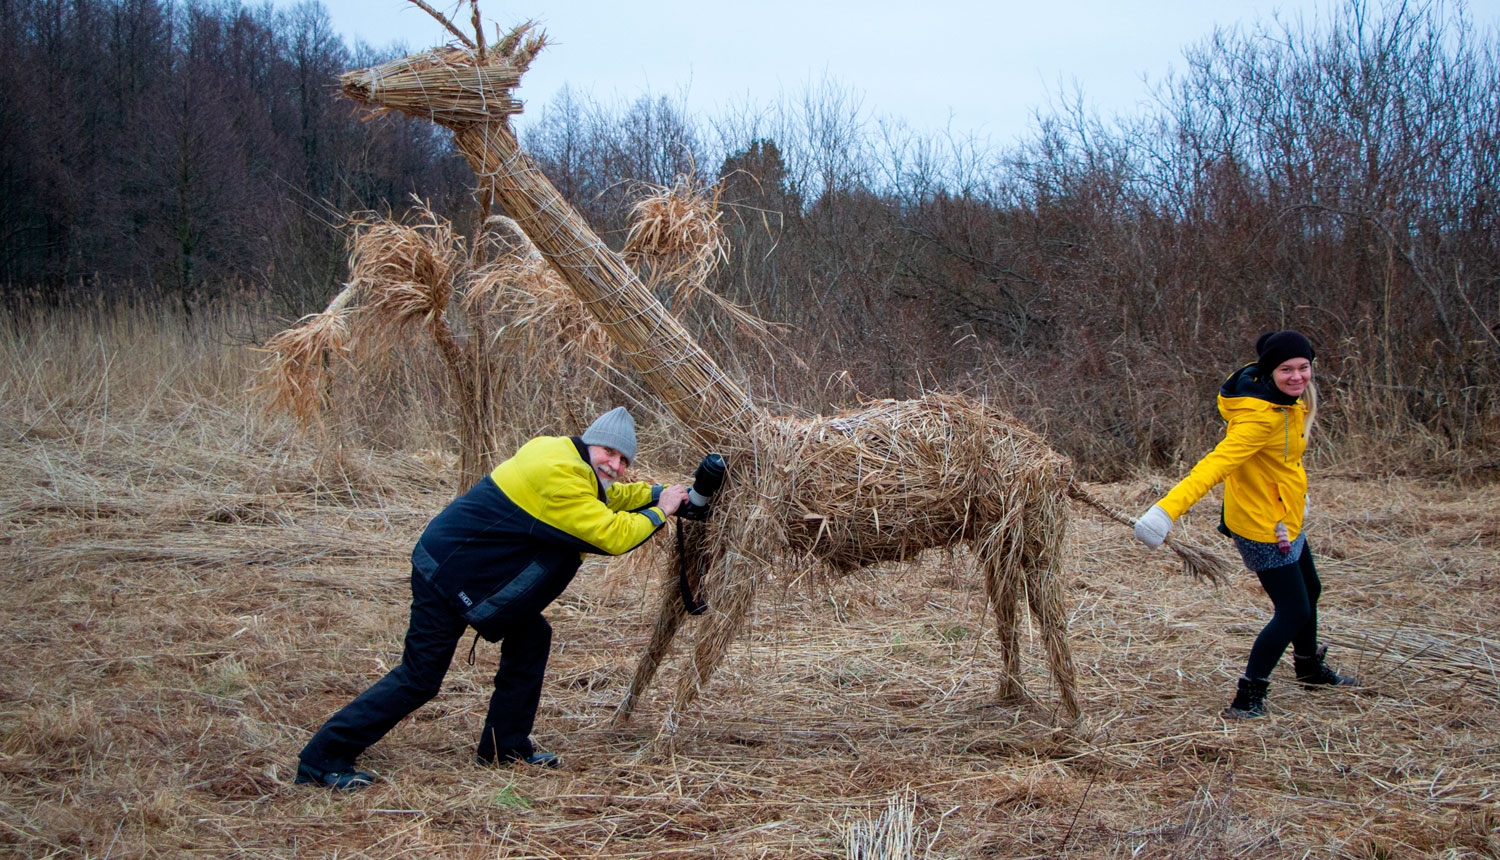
{"points": [[684, 586]]}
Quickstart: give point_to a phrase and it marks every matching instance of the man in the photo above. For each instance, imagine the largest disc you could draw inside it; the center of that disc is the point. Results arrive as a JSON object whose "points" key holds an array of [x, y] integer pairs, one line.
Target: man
{"points": [[493, 559]]}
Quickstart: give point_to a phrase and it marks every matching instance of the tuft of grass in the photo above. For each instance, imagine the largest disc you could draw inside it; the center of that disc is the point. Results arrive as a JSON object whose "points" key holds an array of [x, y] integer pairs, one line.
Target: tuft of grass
{"points": [[508, 796]]}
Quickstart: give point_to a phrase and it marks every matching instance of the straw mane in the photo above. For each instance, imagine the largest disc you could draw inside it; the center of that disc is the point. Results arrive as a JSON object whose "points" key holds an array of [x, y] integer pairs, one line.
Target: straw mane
{"points": [[878, 484]]}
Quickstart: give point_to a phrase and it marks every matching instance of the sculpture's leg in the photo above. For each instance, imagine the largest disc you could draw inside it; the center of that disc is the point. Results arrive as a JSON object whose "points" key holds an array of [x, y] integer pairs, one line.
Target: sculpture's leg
{"points": [[731, 593], [1044, 592], [1000, 559], [669, 617]]}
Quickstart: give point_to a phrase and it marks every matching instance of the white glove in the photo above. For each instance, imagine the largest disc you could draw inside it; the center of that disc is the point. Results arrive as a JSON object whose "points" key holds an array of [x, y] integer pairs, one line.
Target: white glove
{"points": [[1152, 527]]}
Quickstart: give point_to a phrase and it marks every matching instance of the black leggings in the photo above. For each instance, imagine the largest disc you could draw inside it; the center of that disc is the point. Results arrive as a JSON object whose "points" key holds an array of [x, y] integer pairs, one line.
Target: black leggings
{"points": [[1293, 589]]}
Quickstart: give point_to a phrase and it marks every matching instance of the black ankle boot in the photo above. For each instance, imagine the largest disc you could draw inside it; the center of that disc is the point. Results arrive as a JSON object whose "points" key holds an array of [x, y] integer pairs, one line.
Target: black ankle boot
{"points": [[1250, 701], [1313, 672]]}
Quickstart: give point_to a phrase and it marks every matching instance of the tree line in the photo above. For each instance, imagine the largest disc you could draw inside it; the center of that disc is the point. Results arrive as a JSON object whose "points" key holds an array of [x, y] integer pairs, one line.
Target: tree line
{"points": [[1099, 276], [191, 148]]}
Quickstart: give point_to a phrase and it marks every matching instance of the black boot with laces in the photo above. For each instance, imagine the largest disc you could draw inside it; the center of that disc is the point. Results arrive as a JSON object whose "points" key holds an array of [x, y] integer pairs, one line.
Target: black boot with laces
{"points": [[1250, 701], [1313, 672]]}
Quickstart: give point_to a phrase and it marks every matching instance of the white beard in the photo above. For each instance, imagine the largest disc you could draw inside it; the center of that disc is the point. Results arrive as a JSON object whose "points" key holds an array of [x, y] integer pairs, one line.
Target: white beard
{"points": [[606, 480]]}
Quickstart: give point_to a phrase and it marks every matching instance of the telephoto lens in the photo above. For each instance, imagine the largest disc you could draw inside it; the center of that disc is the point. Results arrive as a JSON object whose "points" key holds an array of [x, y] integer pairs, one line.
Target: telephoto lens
{"points": [[706, 481]]}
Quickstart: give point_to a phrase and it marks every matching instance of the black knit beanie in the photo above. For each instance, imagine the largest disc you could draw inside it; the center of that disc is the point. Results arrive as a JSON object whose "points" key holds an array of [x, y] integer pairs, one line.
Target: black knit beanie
{"points": [[1274, 347]]}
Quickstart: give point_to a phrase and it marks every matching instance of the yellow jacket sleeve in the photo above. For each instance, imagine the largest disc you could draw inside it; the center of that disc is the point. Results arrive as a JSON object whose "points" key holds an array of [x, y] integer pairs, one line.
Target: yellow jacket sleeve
{"points": [[573, 507], [1244, 437], [629, 497]]}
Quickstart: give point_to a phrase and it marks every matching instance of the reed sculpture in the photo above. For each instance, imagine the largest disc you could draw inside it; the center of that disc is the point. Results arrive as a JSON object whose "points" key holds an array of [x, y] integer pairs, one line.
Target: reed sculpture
{"points": [[883, 483]]}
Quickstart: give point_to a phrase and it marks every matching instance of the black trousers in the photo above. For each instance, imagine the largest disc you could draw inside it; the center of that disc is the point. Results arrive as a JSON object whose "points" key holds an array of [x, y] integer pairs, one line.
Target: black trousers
{"points": [[431, 639], [1294, 590]]}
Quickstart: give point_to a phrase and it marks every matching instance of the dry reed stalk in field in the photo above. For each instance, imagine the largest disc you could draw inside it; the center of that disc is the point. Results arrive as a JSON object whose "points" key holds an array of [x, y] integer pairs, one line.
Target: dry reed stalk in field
{"points": [[880, 484], [301, 357], [676, 235]]}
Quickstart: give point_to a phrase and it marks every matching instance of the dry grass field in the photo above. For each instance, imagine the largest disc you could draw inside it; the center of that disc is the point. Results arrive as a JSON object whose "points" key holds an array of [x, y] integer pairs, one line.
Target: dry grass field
{"points": [[191, 587]]}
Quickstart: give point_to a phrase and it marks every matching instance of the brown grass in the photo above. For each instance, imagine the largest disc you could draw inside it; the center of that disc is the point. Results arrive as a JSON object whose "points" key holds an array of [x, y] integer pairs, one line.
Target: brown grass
{"points": [[192, 588]]}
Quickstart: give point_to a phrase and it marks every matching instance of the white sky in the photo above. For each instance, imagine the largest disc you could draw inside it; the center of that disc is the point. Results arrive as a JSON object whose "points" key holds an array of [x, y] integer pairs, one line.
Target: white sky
{"points": [[977, 67]]}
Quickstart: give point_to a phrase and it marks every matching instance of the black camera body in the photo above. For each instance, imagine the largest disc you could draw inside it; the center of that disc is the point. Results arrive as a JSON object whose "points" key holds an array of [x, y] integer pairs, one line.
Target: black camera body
{"points": [[706, 482]]}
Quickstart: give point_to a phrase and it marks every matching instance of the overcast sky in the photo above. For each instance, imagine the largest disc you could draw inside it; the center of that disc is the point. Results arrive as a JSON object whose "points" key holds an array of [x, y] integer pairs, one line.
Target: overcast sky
{"points": [[979, 67]]}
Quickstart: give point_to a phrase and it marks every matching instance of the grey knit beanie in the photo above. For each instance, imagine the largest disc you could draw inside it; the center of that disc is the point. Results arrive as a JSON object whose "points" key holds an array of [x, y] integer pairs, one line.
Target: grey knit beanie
{"points": [[614, 429]]}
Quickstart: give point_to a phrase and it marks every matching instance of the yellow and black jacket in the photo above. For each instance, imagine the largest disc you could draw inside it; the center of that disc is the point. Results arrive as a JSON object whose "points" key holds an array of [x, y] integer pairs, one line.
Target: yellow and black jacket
{"points": [[512, 543], [1259, 461]]}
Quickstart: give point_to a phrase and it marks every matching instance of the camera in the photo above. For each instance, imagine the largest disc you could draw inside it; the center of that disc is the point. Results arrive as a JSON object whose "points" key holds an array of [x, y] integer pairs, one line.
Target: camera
{"points": [[706, 482]]}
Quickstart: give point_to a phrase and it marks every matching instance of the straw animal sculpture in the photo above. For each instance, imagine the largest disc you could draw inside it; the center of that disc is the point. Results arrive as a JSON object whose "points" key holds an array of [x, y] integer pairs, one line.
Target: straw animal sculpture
{"points": [[880, 484]]}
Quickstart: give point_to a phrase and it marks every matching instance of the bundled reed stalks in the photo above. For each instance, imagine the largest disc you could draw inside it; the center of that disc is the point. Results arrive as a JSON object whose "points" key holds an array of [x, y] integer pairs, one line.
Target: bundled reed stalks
{"points": [[677, 238], [893, 835], [300, 368]]}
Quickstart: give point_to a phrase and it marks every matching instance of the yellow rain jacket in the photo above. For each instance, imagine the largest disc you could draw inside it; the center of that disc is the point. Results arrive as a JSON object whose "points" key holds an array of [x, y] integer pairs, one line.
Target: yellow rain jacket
{"points": [[1259, 461], [549, 479], [510, 545]]}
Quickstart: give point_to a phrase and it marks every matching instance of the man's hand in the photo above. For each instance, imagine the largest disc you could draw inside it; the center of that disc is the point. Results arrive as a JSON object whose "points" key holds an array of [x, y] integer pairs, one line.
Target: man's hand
{"points": [[672, 498], [1152, 527]]}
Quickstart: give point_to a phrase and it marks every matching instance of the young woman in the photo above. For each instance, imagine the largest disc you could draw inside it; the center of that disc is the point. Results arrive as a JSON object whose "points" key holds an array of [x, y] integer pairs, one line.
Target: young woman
{"points": [[1270, 406]]}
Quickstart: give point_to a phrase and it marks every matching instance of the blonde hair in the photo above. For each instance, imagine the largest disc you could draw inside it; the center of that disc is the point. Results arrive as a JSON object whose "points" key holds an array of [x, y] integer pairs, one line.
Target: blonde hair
{"points": [[1310, 400]]}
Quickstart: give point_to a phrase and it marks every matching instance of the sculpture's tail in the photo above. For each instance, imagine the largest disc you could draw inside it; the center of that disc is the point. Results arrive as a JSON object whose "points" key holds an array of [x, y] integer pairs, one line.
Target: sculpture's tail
{"points": [[1203, 564]]}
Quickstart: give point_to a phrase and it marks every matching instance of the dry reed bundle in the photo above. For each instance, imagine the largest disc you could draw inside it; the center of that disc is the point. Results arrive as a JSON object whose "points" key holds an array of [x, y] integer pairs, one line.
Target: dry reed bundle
{"points": [[1197, 562], [893, 835], [449, 85], [676, 236], [537, 313], [405, 272], [299, 370], [896, 478]]}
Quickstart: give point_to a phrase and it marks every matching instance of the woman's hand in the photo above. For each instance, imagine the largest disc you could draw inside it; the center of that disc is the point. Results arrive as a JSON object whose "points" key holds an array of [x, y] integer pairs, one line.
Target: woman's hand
{"points": [[1152, 527]]}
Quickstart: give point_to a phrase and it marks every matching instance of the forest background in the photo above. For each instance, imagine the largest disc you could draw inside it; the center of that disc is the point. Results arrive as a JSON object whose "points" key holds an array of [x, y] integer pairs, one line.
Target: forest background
{"points": [[1098, 278]]}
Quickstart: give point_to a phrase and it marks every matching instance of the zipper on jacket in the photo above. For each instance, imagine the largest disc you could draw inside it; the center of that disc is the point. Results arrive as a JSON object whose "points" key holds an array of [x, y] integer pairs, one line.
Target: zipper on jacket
{"points": [[1286, 426]]}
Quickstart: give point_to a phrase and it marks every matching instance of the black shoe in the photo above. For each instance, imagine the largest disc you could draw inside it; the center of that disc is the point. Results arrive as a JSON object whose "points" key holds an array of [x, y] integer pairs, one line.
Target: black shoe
{"points": [[1313, 672], [1249, 702], [536, 759], [540, 759], [342, 780]]}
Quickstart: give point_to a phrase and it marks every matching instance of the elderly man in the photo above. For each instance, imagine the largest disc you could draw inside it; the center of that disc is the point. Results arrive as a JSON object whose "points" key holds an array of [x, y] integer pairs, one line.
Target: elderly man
{"points": [[493, 559]]}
